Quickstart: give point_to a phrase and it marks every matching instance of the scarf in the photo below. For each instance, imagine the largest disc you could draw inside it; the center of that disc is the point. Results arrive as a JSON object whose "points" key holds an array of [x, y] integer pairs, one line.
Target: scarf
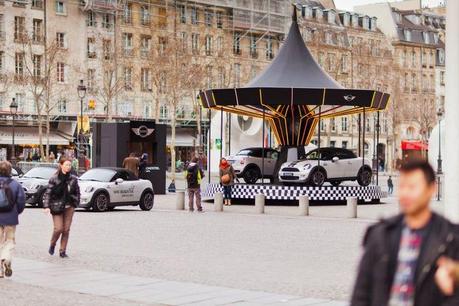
{"points": [[224, 164]]}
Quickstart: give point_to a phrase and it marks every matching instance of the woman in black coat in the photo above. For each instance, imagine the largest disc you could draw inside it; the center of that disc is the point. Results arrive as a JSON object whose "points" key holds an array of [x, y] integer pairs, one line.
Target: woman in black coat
{"points": [[61, 198]]}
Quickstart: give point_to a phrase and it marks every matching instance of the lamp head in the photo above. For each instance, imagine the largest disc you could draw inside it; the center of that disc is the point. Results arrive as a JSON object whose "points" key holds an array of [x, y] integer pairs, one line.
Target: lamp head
{"points": [[81, 90], [14, 107]]}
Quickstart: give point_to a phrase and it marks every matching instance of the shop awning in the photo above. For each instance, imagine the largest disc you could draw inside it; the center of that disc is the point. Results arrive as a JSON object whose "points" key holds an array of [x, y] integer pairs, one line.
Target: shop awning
{"points": [[416, 145], [29, 136], [182, 139]]}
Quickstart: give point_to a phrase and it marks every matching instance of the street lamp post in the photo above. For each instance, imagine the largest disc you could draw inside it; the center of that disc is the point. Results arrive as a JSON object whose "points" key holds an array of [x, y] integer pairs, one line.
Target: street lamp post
{"points": [[81, 94], [439, 159], [13, 111]]}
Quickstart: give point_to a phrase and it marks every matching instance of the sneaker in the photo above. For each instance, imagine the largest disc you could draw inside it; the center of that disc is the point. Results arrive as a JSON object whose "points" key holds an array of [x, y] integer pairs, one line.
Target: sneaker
{"points": [[6, 266], [63, 254], [51, 249]]}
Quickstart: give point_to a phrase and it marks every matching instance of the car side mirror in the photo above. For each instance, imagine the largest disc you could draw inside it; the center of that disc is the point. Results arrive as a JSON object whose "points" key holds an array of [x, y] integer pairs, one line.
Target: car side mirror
{"points": [[119, 181], [21, 175], [335, 159]]}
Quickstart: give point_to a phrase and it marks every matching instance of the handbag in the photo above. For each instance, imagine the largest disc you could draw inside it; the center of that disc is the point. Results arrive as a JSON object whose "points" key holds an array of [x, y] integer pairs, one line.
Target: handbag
{"points": [[57, 207], [226, 179]]}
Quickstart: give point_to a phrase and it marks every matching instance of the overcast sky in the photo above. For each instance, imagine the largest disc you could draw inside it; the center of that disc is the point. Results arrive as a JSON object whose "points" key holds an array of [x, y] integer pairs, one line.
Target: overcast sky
{"points": [[349, 4]]}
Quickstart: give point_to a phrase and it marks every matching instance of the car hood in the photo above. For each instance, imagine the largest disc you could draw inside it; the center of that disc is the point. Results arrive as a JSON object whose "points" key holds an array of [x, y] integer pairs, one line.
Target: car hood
{"points": [[28, 183], [297, 164], [84, 184]]}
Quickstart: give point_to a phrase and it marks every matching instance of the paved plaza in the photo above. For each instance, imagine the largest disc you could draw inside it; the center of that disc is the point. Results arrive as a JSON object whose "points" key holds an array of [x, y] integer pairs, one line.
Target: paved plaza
{"points": [[169, 257]]}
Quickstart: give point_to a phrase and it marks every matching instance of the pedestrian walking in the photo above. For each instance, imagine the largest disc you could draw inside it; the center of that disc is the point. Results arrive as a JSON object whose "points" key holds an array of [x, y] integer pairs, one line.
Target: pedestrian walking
{"points": [[131, 163], [227, 177], [390, 185], [400, 256], [12, 203], [194, 175], [61, 198], [143, 164]]}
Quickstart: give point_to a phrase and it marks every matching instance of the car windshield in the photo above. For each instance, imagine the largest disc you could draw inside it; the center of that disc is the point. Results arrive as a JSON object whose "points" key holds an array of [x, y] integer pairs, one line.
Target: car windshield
{"points": [[98, 175], [244, 152], [40, 173], [313, 155]]}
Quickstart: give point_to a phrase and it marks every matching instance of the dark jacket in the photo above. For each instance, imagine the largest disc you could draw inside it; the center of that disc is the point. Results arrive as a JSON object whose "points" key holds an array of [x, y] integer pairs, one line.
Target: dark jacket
{"points": [[379, 263], [73, 191], [12, 217], [194, 175]]}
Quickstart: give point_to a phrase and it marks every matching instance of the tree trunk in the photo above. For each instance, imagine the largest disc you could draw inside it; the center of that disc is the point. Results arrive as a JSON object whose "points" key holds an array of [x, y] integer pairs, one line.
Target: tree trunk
{"points": [[173, 122], [157, 103], [108, 116], [47, 134], [40, 135]]}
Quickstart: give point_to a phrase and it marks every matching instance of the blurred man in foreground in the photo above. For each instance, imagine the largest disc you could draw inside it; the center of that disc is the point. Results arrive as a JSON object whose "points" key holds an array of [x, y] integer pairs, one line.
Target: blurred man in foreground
{"points": [[400, 254]]}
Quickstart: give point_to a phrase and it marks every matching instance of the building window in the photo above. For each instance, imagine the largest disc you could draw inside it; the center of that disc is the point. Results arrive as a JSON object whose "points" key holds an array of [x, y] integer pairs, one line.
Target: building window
{"points": [[366, 23], [219, 16], [426, 37], [219, 44], [355, 21], [182, 13], [253, 46], [127, 78], [441, 56], [269, 49], [37, 30], [237, 74], [373, 24], [194, 15], [346, 19], [145, 77], [107, 48], [107, 21], [127, 14], [209, 76], [333, 124], [367, 125], [344, 144], [60, 40], [407, 34], [344, 124], [36, 59], [195, 43], [164, 111], [147, 108], [91, 80], [332, 143], [19, 29], [331, 17], [60, 7], [60, 72], [162, 43], [413, 59], [328, 38], [344, 63], [19, 64], [162, 83], [145, 45], [91, 47], [127, 44], [237, 44], [208, 16], [442, 78], [322, 125], [91, 19], [37, 4], [144, 16], [62, 106], [208, 45]]}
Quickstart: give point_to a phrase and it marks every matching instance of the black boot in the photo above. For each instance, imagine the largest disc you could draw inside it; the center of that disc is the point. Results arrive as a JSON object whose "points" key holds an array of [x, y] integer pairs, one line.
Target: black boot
{"points": [[62, 254], [51, 249]]}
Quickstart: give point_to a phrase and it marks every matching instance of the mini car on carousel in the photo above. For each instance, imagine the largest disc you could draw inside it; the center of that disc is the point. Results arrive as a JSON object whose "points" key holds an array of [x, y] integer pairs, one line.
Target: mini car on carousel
{"points": [[247, 163], [105, 188], [34, 182], [333, 165]]}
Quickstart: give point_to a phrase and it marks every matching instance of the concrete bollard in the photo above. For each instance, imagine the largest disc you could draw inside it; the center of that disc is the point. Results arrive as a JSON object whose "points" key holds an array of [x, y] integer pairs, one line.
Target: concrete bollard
{"points": [[352, 207], [180, 204], [260, 203], [218, 201], [304, 205]]}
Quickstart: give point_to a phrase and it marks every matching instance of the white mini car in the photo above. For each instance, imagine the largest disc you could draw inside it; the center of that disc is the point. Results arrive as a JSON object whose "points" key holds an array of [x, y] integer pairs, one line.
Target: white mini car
{"points": [[247, 163], [333, 165], [104, 188]]}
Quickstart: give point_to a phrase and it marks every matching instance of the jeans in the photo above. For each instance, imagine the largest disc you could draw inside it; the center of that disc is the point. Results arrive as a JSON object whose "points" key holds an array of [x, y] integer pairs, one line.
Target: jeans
{"points": [[194, 193], [62, 225], [7, 242], [390, 189], [227, 192]]}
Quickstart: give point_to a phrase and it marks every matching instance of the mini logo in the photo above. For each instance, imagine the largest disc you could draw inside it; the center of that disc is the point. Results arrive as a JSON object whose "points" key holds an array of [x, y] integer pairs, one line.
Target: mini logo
{"points": [[349, 98], [143, 131]]}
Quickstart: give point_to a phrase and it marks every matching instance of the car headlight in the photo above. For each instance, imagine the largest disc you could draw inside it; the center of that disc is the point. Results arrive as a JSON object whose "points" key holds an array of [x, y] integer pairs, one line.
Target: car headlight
{"points": [[35, 186], [307, 167], [89, 189]]}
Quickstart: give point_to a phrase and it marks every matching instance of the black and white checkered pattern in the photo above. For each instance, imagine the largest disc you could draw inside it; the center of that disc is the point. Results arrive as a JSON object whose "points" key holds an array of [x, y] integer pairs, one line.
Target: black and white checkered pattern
{"points": [[279, 192]]}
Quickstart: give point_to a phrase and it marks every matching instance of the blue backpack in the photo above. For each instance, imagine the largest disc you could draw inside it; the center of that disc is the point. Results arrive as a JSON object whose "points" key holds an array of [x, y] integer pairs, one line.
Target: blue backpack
{"points": [[6, 199]]}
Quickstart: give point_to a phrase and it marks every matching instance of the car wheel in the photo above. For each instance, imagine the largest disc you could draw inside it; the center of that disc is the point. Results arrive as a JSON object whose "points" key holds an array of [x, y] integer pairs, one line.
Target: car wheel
{"points": [[335, 183], [317, 178], [146, 201], [364, 177], [101, 202], [251, 175]]}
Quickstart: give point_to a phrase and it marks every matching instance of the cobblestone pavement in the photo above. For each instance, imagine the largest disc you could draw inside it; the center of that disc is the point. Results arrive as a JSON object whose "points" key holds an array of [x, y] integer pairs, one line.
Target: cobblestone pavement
{"points": [[279, 252]]}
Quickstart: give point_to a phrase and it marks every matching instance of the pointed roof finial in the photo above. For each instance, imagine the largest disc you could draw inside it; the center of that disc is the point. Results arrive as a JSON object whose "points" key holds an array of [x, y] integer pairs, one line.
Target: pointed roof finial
{"points": [[294, 13]]}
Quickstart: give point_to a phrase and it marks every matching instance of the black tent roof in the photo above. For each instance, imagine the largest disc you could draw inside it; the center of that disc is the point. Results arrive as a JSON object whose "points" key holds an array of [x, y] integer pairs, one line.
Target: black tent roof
{"points": [[294, 66]]}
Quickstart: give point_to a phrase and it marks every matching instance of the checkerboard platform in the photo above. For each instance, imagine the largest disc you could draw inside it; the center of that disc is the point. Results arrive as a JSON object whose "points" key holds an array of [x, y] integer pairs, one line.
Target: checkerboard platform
{"points": [[280, 192]]}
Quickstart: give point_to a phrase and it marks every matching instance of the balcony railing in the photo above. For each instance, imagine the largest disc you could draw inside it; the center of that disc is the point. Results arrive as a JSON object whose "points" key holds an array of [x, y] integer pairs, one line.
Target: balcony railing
{"points": [[91, 54], [128, 52], [145, 53], [91, 23], [107, 25]]}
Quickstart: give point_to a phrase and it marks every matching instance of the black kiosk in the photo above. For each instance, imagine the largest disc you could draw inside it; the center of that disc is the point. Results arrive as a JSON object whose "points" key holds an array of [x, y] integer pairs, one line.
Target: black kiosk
{"points": [[112, 142]]}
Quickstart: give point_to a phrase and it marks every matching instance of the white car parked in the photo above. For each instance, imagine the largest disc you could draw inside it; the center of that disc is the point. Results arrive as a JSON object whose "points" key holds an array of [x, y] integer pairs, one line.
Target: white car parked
{"points": [[333, 165], [104, 188], [247, 163]]}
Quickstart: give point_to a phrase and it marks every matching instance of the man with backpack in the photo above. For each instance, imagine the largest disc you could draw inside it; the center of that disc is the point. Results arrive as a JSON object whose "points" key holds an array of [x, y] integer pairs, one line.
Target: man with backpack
{"points": [[194, 175], [12, 203]]}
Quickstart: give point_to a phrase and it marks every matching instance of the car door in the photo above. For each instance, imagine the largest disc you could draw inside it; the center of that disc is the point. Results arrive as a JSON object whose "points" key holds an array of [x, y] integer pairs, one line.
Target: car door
{"points": [[334, 169], [270, 161], [135, 186], [351, 163], [120, 190]]}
